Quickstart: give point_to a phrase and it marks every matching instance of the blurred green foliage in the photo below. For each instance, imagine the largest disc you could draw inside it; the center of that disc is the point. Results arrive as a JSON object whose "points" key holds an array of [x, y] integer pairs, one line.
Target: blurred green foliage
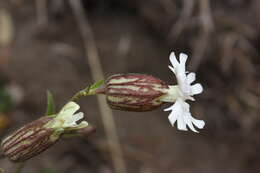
{"points": [[5, 100]]}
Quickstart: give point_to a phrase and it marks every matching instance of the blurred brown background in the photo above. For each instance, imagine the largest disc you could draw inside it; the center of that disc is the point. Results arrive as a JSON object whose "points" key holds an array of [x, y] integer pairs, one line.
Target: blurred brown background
{"points": [[41, 47]]}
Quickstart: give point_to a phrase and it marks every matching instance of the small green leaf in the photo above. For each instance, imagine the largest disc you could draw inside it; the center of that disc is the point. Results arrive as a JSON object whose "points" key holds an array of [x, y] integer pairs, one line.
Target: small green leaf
{"points": [[96, 85], [50, 104]]}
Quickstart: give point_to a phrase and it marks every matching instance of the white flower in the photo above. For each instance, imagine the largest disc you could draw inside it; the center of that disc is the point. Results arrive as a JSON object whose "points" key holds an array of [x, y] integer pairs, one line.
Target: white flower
{"points": [[180, 110], [66, 119]]}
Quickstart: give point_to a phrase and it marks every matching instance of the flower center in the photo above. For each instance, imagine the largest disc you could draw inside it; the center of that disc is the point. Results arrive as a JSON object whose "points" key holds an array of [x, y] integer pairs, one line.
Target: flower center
{"points": [[172, 94]]}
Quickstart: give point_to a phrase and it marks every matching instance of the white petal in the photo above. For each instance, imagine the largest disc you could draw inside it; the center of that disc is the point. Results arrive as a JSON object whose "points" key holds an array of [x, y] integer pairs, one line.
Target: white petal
{"points": [[191, 77], [172, 69], [72, 120], [78, 116], [193, 129], [180, 112], [198, 123], [185, 105], [82, 124], [69, 109], [181, 125], [173, 60], [196, 89], [189, 123], [176, 114], [172, 118], [169, 108], [178, 109], [183, 59]]}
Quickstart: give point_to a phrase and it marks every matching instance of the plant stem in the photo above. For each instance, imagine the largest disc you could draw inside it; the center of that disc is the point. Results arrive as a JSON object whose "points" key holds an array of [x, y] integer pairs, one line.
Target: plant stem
{"points": [[97, 74], [80, 94], [87, 92]]}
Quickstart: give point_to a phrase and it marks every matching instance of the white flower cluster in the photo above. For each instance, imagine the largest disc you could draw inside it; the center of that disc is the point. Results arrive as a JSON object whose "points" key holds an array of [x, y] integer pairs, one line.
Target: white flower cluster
{"points": [[180, 110]]}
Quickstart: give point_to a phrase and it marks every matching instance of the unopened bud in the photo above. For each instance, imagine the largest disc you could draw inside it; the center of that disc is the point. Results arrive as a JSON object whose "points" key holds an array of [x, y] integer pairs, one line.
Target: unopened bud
{"points": [[134, 92], [30, 140]]}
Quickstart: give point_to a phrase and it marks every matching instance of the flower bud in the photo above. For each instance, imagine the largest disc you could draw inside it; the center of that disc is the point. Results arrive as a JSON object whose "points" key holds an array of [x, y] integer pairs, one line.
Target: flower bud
{"points": [[30, 140], [134, 92], [37, 136]]}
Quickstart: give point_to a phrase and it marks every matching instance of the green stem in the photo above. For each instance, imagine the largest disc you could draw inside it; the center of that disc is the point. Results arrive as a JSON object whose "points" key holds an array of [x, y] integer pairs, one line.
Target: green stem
{"points": [[88, 91], [80, 94], [19, 167]]}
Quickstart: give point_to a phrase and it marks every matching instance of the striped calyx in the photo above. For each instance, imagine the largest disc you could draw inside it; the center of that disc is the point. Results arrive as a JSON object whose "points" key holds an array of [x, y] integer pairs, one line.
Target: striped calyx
{"points": [[30, 140], [37, 136], [134, 92]]}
